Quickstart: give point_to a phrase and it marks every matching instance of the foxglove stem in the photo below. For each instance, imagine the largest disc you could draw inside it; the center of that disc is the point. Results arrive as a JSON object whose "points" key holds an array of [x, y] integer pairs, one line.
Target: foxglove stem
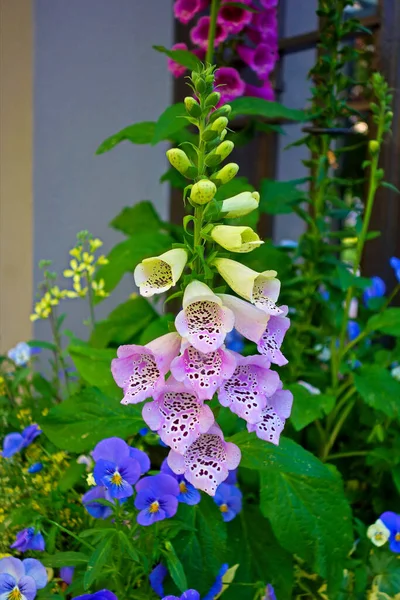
{"points": [[212, 30]]}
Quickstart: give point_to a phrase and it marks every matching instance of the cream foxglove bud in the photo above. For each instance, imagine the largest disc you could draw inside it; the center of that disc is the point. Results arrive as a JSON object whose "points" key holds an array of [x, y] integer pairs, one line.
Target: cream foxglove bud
{"points": [[236, 239], [192, 106], [240, 205], [225, 174], [261, 289], [203, 192], [212, 100], [219, 124], [179, 160], [224, 149], [158, 274]]}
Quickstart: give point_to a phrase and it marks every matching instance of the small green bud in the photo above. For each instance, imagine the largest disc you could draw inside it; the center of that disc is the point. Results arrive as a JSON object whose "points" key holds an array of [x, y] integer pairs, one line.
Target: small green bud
{"points": [[209, 135], [212, 159], [373, 146], [192, 106], [222, 111], [219, 124], [225, 174], [200, 86], [224, 149], [212, 100], [223, 134], [179, 160], [203, 192]]}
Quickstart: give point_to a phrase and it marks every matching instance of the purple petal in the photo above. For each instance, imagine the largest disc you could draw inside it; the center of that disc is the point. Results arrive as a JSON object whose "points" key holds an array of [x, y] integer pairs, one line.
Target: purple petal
{"points": [[175, 68], [199, 33], [13, 443], [270, 427], [205, 324], [96, 510], [157, 577], [281, 402], [231, 84], [176, 462], [272, 338], [27, 587], [391, 520], [146, 518], [169, 504], [7, 584], [152, 416], [142, 459], [102, 595], [189, 495], [66, 574], [158, 485], [190, 595], [12, 566], [37, 543], [30, 433], [138, 375], [112, 449], [130, 470], [233, 18]]}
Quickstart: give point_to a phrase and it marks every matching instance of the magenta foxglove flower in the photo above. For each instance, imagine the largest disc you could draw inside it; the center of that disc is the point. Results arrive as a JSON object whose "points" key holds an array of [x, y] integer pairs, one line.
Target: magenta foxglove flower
{"points": [[140, 370], [266, 91], [185, 10], [29, 539], [265, 21], [157, 498], [199, 33], [246, 393], [204, 321], [175, 68], [115, 468], [229, 500], [273, 417], [229, 84], [271, 340], [261, 59], [207, 462], [187, 492], [269, 3], [203, 373], [21, 579], [234, 18], [178, 416]]}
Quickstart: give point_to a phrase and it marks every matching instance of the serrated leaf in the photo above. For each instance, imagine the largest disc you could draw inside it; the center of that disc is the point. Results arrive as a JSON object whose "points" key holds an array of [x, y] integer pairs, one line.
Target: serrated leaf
{"points": [[64, 559], [182, 57], [169, 122], [264, 108], [378, 389], [138, 133]]}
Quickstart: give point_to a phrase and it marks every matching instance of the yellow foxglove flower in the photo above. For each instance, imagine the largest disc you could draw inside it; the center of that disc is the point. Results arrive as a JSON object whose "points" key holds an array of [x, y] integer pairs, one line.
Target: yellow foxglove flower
{"points": [[158, 274], [203, 191], [378, 533], [236, 239], [261, 289], [240, 205]]}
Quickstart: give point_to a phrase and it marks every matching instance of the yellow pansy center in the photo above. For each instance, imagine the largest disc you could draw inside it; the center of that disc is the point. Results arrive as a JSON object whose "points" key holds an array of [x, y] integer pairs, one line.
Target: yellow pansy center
{"points": [[182, 487], [116, 479], [379, 536], [224, 508], [154, 506], [14, 595], [397, 536]]}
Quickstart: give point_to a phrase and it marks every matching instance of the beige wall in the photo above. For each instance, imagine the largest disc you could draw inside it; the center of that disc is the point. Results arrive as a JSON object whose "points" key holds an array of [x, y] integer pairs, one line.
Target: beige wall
{"points": [[15, 171]]}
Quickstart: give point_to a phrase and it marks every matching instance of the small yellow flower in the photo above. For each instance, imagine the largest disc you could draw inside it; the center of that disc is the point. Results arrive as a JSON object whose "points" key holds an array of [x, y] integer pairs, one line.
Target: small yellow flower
{"points": [[378, 533], [98, 287], [81, 292], [95, 244], [90, 479], [45, 412], [74, 270], [76, 252], [2, 386], [102, 260], [87, 260]]}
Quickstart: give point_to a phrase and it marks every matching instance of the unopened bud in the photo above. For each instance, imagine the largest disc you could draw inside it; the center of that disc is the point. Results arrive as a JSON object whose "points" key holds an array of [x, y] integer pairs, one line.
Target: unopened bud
{"points": [[200, 86], [222, 111], [192, 106], [213, 99], [223, 134], [373, 146], [203, 191], [179, 160], [225, 174], [219, 124], [209, 135], [224, 149], [240, 205]]}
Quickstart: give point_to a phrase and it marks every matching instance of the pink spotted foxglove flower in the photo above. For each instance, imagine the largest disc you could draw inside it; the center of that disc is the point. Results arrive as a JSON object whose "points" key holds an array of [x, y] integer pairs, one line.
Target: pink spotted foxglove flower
{"points": [[140, 370], [251, 322], [271, 340], [158, 274], [204, 321], [234, 18], [273, 417], [178, 416], [229, 84], [246, 393], [175, 68], [265, 91], [261, 289], [261, 59], [199, 33], [203, 373], [207, 461], [185, 10]]}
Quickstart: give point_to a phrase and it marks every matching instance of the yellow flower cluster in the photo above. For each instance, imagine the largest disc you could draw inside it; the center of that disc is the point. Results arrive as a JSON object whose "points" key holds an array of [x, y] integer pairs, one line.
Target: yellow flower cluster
{"points": [[52, 297], [82, 267]]}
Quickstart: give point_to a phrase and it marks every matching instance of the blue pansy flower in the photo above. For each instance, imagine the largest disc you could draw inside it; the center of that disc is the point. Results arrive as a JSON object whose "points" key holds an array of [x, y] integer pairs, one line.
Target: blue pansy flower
{"points": [[35, 468], [144, 431], [353, 330], [234, 341], [395, 264], [20, 354], [269, 593], [391, 520], [67, 574], [95, 509], [217, 586], [20, 579], [229, 500], [102, 595], [157, 577], [188, 595], [142, 458], [115, 468], [157, 498], [15, 442], [28, 539], [187, 492], [377, 289], [232, 477]]}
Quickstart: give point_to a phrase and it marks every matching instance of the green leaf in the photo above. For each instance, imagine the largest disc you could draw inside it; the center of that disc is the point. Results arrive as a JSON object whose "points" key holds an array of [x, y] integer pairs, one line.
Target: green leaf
{"points": [[263, 108], [378, 389], [157, 328], [81, 421], [139, 133], [97, 561], [305, 503], [233, 187], [307, 407], [386, 322], [94, 366], [64, 559], [171, 120], [390, 186], [278, 197], [73, 475], [134, 219], [175, 567], [182, 57], [124, 257], [127, 546], [41, 344], [347, 279]]}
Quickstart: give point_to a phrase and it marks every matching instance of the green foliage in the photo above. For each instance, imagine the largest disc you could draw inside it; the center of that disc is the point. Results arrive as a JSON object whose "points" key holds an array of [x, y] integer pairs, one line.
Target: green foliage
{"points": [[134, 219], [264, 108], [183, 57], [93, 365], [139, 133], [387, 322], [279, 197], [308, 407], [173, 119], [378, 389]]}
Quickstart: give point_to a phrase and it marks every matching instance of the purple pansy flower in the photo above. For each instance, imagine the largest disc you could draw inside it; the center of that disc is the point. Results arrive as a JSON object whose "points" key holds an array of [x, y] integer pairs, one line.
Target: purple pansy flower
{"points": [[142, 458], [271, 340], [157, 577], [29, 539], [15, 442], [102, 595], [203, 373], [377, 289], [232, 477], [67, 574], [269, 593], [391, 520], [178, 416], [175, 68], [185, 10], [187, 492], [35, 468], [199, 33], [207, 462], [353, 330], [217, 586], [261, 59], [266, 91], [20, 579], [234, 18], [395, 264], [115, 468], [229, 499], [247, 391], [95, 509], [188, 595], [157, 498], [229, 84], [140, 370], [273, 416]]}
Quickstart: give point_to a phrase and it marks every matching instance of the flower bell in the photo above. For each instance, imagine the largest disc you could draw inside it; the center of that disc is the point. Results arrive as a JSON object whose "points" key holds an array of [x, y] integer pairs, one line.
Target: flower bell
{"points": [[203, 192], [236, 239], [179, 159], [158, 274], [240, 205], [225, 174]]}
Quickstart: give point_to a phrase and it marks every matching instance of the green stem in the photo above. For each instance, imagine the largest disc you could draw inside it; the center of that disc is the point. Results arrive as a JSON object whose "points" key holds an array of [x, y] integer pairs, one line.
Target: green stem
{"points": [[346, 455], [212, 30], [70, 533], [91, 302], [336, 430]]}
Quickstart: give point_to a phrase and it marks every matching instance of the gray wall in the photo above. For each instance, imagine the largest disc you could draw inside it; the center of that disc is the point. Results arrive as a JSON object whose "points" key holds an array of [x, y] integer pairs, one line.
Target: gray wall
{"points": [[94, 73]]}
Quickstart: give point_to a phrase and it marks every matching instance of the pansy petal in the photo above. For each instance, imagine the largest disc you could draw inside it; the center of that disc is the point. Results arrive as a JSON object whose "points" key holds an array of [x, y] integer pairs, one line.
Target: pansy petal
{"points": [[159, 485], [169, 505], [130, 470], [12, 566], [142, 459], [146, 518], [190, 595], [7, 584], [390, 520], [27, 587], [111, 449], [189, 495], [13, 443]]}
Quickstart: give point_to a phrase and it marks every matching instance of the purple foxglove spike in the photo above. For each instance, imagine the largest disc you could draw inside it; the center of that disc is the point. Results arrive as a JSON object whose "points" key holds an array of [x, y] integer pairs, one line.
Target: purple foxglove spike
{"points": [[246, 392], [261, 59], [270, 427], [178, 416], [199, 33], [234, 18], [271, 340], [140, 370], [203, 373], [266, 91], [229, 84], [281, 402], [185, 10], [266, 22]]}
